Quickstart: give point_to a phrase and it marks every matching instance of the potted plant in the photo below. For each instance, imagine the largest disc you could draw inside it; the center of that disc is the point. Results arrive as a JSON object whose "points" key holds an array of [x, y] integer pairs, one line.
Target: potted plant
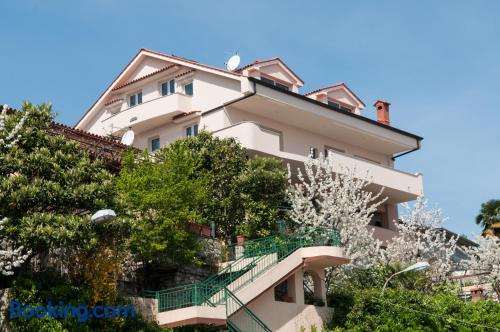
{"points": [[242, 232]]}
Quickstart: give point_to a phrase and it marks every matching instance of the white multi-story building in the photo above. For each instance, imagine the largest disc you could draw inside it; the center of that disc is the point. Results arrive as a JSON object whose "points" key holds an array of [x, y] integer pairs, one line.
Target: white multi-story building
{"points": [[164, 97]]}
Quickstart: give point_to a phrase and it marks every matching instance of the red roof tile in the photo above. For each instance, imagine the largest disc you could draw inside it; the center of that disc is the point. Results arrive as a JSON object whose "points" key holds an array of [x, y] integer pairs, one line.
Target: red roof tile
{"points": [[333, 86], [258, 62], [113, 101], [185, 73], [144, 77], [192, 61]]}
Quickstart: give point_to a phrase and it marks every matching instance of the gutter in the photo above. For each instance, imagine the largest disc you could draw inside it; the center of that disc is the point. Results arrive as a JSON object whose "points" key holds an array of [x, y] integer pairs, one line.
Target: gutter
{"points": [[255, 81], [359, 117], [407, 152]]}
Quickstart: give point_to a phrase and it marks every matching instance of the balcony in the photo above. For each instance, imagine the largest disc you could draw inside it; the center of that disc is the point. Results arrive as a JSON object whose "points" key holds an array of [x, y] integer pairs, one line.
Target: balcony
{"points": [[398, 186], [149, 114]]}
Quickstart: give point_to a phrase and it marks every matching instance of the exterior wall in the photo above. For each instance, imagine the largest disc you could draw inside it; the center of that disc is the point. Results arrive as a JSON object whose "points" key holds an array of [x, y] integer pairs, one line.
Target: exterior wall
{"points": [[211, 91], [167, 134], [146, 67], [284, 316], [276, 71], [298, 141]]}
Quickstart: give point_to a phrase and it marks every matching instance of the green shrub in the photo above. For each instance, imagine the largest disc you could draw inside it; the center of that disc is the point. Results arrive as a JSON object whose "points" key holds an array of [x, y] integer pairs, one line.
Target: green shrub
{"points": [[39, 288], [407, 310]]}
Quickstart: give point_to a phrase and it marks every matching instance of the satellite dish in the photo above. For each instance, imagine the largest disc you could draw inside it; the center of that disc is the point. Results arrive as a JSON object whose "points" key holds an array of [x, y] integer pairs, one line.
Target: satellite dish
{"points": [[103, 216], [233, 62], [128, 137]]}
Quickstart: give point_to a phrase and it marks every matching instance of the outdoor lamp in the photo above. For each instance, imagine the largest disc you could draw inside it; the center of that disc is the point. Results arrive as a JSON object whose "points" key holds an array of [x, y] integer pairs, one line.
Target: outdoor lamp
{"points": [[103, 216], [419, 266]]}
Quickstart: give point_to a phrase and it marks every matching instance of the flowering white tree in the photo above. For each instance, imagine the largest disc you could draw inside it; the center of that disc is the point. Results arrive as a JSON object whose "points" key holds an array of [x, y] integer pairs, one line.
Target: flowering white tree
{"points": [[9, 138], [421, 237], [11, 256], [484, 260], [324, 198]]}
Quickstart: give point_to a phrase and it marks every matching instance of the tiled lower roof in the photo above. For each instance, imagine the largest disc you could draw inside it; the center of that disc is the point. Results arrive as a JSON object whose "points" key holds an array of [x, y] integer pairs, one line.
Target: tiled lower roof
{"points": [[143, 77]]}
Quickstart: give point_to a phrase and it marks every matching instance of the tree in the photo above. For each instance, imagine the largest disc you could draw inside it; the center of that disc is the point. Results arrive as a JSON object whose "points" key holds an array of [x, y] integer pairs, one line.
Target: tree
{"points": [[263, 190], [407, 310], [163, 194], [489, 214], [485, 261], [421, 237], [241, 192], [11, 257], [48, 187], [323, 198]]}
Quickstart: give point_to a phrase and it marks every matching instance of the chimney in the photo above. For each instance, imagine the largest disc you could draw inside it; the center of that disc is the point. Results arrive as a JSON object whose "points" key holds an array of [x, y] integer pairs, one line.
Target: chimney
{"points": [[382, 108]]}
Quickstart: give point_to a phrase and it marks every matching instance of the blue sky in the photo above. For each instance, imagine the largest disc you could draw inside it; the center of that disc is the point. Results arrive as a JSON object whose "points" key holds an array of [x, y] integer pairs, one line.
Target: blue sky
{"points": [[438, 63]]}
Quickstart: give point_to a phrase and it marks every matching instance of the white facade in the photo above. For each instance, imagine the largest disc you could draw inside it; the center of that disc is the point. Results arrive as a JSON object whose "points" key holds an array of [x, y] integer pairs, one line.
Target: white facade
{"points": [[163, 98], [251, 105]]}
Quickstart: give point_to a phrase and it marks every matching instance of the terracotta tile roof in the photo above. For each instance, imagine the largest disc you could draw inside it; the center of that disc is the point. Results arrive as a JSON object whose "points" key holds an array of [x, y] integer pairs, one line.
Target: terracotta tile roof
{"points": [[185, 73], [144, 77], [255, 63], [113, 101], [333, 86], [158, 53], [192, 61], [104, 148], [324, 88], [258, 62], [185, 114]]}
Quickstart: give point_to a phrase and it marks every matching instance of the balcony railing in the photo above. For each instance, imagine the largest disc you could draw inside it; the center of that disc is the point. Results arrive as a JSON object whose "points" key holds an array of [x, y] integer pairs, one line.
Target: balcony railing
{"points": [[149, 113], [399, 186]]}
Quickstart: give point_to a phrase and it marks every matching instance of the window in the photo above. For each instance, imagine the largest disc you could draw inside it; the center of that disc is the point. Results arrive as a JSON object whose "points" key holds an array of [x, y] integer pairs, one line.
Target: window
{"points": [[281, 86], [313, 152], [188, 89], [273, 82], [329, 148], [192, 130], [155, 144], [337, 105], [267, 80], [168, 88], [377, 219], [135, 99]]}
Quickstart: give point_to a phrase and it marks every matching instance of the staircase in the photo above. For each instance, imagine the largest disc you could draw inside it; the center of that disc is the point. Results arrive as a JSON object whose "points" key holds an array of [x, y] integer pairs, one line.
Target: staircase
{"points": [[217, 293]]}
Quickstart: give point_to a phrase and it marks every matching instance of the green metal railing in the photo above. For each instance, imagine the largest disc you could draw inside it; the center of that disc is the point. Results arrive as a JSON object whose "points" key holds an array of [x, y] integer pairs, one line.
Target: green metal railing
{"points": [[240, 317], [256, 257]]}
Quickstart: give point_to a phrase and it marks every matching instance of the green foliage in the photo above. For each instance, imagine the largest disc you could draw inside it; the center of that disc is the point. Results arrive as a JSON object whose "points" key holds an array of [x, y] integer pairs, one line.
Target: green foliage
{"points": [[238, 188], [375, 277], [262, 184], [200, 179], [406, 310], [39, 288], [49, 186], [489, 213], [163, 195]]}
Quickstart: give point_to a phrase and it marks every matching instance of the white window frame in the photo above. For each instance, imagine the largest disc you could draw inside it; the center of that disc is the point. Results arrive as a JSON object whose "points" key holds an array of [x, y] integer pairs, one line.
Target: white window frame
{"points": [[191, 125], [184, 87], [170, 92], [136, 94]]}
